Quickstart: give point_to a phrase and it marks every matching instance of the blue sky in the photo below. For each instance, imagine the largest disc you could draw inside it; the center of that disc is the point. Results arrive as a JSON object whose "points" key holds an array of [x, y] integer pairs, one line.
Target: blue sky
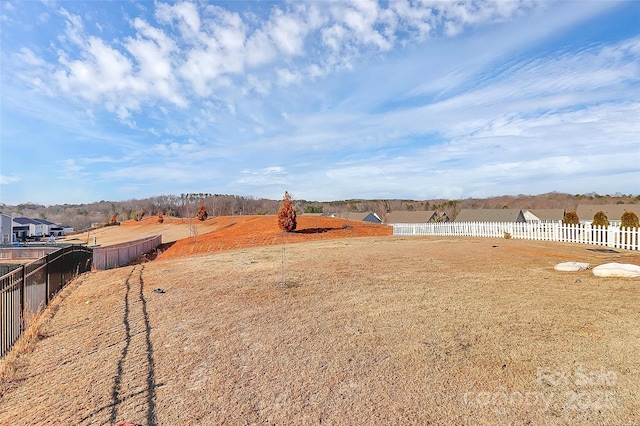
{"points": [[330, 100]]}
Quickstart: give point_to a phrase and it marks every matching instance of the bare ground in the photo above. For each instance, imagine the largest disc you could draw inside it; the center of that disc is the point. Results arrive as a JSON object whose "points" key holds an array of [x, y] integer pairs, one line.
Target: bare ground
{"points": [[383, 330]]}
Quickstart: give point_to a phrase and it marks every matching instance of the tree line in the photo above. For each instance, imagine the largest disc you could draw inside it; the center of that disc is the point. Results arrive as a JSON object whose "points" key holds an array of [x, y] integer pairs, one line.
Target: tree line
{"points": [[82, 216]]}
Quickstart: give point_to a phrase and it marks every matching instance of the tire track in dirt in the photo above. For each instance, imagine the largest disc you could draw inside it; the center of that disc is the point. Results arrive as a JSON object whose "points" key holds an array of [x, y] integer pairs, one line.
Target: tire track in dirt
{"points": [[133, 391]]}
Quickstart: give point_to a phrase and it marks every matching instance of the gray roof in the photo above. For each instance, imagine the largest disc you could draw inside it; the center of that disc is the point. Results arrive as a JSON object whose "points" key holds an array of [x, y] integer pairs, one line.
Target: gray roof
{"points": [[359, 216], [23, 220], [401, 216], [28, 221], [548, 214], [586, 212], [45, 222], [490, 215]]}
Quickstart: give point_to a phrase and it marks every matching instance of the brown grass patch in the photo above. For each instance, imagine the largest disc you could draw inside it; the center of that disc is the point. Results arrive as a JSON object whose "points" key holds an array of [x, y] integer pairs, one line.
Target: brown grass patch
{"points": [[369, 330], [16, 358]]}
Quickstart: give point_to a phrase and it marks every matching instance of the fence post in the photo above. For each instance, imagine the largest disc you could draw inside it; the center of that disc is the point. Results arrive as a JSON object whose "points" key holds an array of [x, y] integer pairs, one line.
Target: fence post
{"points": [[23, 289], [46, 281]]}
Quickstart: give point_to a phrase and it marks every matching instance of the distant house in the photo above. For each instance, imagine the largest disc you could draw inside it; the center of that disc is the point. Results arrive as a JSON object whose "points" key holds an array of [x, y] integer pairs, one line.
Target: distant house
{"points": [[6, 229], [20, 232], [443, 217], [614, 212], [544, 215], [361, 217], [490, 215], [424, 216], [24, 227], [52, 229]]}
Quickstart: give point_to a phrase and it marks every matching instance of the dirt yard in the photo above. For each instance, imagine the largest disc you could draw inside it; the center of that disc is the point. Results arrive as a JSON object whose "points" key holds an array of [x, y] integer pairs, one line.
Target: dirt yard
{"points": [[367, 329], [182, 237]]}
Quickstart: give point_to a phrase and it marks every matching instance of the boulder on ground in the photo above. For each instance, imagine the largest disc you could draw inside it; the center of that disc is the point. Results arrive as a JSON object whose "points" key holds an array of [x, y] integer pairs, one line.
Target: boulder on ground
{"points": [[620, 270], [571, 266]]}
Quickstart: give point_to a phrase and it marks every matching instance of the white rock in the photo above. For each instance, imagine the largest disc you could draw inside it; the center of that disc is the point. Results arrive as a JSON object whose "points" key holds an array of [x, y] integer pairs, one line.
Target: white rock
{"points": [[571, 266], [621, 270]]}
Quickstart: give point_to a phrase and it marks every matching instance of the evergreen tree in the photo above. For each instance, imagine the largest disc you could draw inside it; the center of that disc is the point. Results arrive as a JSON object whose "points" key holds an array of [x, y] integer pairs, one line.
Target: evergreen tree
{"points": [[202, 212], [629, 220], [571, 218], [286, 214], [600, 219]]}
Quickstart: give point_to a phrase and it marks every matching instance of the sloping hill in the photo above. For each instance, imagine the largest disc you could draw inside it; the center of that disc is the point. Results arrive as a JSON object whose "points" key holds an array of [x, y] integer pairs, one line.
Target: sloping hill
{"points": [[382, 330], [182, 237], [254, 231]]}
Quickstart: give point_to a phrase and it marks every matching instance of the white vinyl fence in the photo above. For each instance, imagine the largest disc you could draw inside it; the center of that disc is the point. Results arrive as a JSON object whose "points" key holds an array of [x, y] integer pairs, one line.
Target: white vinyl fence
{"points": [[611, 236]]}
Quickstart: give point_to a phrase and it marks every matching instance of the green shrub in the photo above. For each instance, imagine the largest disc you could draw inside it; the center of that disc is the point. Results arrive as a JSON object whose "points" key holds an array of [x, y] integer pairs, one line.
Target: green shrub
{"points": [[310, 208]]}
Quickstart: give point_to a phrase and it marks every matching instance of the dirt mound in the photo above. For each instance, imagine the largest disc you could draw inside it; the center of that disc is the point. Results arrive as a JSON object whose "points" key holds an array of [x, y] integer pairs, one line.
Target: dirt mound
{"points": [[253, 231]]}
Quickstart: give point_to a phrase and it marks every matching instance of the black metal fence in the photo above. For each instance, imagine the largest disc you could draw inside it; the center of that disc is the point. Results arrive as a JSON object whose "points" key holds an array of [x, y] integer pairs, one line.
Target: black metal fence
{"points": [[27, 289]]}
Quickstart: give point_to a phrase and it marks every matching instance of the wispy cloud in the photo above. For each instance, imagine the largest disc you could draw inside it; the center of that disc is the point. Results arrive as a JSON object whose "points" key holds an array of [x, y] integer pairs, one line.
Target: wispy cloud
{"points": [[6, 180], [327, 99]]}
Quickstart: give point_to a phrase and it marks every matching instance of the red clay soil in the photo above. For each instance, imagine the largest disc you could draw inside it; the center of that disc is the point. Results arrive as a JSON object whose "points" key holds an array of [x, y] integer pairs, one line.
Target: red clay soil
{"points": [[253, 231]]}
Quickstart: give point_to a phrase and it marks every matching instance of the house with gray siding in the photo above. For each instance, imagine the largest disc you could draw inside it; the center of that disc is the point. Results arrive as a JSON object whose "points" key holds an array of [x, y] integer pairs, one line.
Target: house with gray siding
{"points": [[614, 212], [6, 229], [544, 215], [24, 227]]}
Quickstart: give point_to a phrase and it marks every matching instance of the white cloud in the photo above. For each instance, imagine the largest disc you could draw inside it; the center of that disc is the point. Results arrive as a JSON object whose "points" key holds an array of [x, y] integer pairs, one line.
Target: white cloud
{"points": [[361, 18], [268, 176], [153, 50], [218, 54], [74, 31], [6, 180], [259, 49], [353, 99], [287, 33], [186, 15], [214, 47], [286, 77], [71, 169]]}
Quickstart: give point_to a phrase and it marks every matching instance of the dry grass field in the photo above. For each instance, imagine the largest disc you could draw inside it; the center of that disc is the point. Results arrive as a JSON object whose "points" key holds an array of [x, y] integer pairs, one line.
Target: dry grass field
{"points": [[365, 330]]}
